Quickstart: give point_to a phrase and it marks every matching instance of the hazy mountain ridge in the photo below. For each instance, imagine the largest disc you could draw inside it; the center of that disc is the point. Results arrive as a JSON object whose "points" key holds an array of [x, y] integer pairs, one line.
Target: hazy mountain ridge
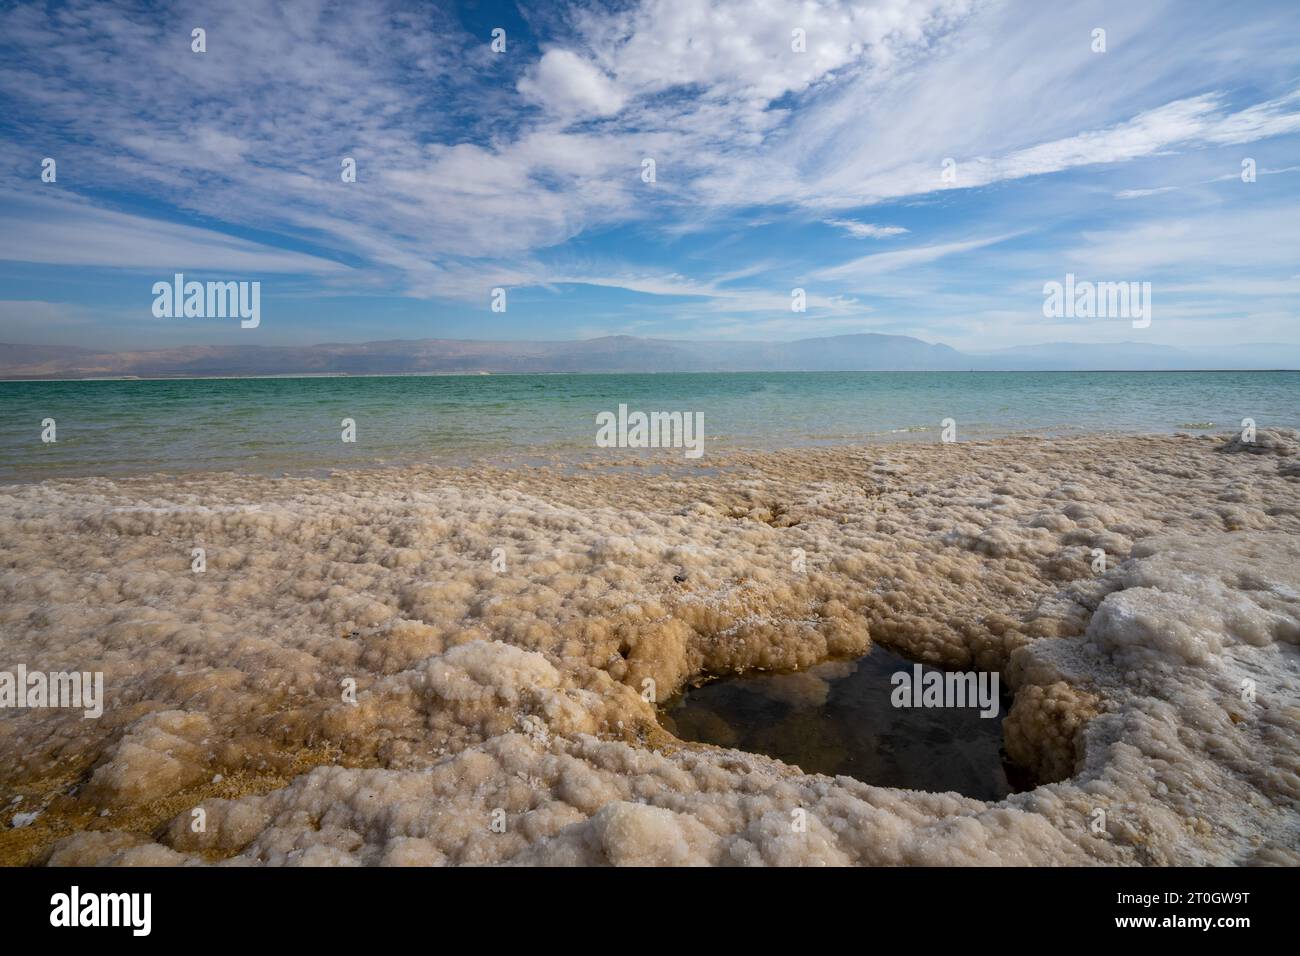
{"points": [[619, 353]]}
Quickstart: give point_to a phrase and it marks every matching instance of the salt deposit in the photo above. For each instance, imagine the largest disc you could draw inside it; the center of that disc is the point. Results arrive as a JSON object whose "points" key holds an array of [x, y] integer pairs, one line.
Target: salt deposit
{"points": [[1158, 700]]}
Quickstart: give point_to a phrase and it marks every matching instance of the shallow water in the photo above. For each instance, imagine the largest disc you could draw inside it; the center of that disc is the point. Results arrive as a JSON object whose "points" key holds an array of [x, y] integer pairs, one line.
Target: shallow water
{"points": [[268, 425], [837, 719]]}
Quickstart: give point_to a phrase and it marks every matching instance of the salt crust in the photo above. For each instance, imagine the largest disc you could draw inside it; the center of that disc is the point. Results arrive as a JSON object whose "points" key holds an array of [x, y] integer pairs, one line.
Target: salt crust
{"points": [[521, 691]]}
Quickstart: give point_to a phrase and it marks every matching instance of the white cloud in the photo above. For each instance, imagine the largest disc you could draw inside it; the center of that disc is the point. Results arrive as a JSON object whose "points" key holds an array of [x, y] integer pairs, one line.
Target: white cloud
{"points": [[1276, 117], [882, 134], [460, 189], [1230, 245], [72, 233], [1139, 193], [565, 83], [865, 230], [720, 297], [882, 263]]}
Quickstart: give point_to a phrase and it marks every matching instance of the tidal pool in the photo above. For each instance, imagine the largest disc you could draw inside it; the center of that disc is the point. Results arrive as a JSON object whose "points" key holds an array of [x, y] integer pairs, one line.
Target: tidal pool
{"points": [[837, 718]]}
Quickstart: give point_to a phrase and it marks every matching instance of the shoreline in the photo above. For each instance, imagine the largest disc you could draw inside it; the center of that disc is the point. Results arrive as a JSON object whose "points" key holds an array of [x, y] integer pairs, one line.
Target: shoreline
{"points": [[583, 457]]}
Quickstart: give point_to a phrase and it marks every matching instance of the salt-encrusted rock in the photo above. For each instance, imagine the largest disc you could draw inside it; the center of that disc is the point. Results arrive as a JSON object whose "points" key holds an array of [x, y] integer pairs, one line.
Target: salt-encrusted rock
{"points": [[1268, 441]]}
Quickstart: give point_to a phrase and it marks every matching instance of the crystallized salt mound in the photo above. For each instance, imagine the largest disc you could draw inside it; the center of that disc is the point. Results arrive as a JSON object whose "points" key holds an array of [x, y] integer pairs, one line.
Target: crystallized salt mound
{"points": [[1187, 599], [1041, 732], [445, 666], [588, 802], [159, 754], [1268, 441]]}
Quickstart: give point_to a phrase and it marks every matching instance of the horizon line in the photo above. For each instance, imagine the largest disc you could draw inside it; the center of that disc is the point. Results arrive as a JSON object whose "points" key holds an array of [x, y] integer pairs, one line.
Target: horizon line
{"points": [[489, 374]]}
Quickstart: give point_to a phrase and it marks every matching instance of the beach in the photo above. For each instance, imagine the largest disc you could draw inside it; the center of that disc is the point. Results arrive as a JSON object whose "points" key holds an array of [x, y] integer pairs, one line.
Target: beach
{"points": [[428, 664]]}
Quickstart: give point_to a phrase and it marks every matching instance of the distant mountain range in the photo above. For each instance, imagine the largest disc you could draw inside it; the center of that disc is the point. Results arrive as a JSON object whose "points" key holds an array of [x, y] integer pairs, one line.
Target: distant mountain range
{"points": [[622, 353]]}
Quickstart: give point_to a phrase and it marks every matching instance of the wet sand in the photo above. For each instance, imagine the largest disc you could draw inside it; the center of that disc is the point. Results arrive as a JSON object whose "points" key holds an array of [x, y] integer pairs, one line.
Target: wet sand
{"points": [[500, 625]]}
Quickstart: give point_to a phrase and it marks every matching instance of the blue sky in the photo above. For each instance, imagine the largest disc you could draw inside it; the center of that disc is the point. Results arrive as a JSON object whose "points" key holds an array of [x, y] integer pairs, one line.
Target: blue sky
{"points": [[775, 169]]}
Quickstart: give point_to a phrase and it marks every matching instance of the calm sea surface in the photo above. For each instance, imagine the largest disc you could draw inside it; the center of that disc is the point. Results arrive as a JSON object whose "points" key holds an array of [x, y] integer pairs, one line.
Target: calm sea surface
{"points": [[293, 424]]}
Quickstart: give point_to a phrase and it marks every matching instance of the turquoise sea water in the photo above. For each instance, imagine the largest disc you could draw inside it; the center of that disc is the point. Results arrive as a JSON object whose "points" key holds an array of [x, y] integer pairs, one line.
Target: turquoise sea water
{"points": [[293, 424]]}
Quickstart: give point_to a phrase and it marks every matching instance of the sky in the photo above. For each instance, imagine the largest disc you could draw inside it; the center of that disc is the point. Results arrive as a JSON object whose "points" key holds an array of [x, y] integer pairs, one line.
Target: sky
{"points": [[919, 167]]}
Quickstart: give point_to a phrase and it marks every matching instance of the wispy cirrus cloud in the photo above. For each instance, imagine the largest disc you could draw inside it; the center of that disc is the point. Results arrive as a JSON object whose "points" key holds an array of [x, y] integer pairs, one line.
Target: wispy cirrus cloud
{"points": [[766, 122], [882, 263], [865, 230], [68, 232]]}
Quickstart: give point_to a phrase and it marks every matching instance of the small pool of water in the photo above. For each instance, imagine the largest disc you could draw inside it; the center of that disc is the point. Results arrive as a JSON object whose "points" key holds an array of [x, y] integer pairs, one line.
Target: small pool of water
{"points": [[838, 718]]}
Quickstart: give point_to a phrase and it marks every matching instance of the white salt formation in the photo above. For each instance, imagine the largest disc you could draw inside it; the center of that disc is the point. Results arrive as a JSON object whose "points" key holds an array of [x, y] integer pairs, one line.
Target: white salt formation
{"points": [[499, 717]]}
